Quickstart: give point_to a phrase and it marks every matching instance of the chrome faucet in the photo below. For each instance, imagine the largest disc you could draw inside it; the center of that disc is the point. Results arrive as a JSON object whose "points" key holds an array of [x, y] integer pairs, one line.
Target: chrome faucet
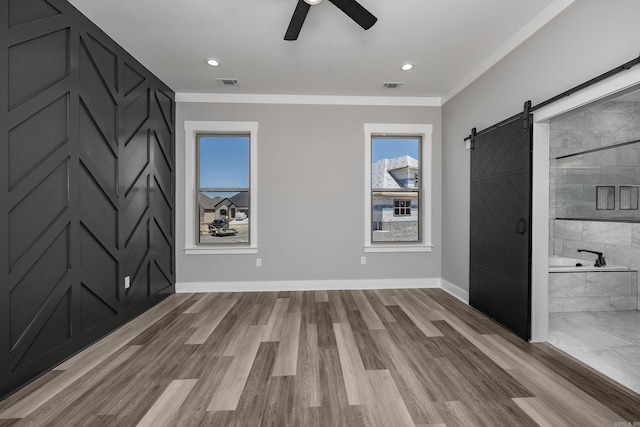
{"points": [[600, 262]]}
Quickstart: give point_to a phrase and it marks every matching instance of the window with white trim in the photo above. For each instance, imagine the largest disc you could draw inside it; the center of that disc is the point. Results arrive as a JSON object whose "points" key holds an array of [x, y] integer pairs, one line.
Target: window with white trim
{"points": [[220, 187], [223, 189], [398, 188]]}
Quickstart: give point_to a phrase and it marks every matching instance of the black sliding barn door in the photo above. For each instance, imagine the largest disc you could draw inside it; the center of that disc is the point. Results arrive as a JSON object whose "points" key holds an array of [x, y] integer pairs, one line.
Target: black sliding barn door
{"points": [[500, 257]]}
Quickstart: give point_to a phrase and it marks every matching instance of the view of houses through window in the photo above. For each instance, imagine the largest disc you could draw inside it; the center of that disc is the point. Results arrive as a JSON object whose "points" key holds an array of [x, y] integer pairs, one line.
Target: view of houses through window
{"points": [[223, 189], [395, 189]]}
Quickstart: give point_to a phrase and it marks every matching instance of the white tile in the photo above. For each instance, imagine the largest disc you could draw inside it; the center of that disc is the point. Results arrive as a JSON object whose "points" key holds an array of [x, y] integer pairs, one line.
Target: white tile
{"points": [[555, 305], [623, 303], [571, 230], [585, 139], [607, 232], [601, 121], [612, 283], [636, 235], [611, 137], [607, 341], [629, 121], [586, 304], [570, 122], [601, 158], [567, 285], [623, 255]]}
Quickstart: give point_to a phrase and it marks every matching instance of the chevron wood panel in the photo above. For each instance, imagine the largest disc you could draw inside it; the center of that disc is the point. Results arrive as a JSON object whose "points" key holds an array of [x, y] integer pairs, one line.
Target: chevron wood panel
{"points": [[499, 274], [384, 358], [87, 187]]}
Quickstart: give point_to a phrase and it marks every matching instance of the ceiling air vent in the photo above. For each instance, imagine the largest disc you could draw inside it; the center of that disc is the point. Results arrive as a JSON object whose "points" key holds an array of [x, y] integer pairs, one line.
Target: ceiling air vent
{"points": [[392, 85], [228, 82]]}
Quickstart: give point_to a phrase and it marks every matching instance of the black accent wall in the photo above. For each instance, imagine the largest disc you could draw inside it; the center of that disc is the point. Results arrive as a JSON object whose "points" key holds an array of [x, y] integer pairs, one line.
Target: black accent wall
{"points": [[87, 186]]}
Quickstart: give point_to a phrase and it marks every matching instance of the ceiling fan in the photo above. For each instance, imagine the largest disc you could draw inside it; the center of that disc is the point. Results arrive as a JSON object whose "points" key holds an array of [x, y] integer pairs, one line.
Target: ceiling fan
{"points": [[351, 8]]}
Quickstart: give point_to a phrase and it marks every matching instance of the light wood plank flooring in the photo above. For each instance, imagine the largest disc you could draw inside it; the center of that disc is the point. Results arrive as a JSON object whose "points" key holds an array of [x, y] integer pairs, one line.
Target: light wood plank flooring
{"points": [[414, 357]]}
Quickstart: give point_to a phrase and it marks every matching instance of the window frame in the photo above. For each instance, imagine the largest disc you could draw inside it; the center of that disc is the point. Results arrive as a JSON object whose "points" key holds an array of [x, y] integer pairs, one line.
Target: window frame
{"points": [[193, 129], [424, 132], [224, 211]]}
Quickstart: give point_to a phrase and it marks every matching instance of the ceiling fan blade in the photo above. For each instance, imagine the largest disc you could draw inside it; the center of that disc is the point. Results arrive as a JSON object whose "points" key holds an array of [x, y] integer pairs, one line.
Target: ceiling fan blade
{"points": [[297, 20], [355, 11]]}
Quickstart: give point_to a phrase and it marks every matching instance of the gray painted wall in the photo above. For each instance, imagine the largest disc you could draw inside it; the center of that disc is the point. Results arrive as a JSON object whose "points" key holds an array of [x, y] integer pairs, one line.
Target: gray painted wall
{"points": [[587, 39], [311, 181]]}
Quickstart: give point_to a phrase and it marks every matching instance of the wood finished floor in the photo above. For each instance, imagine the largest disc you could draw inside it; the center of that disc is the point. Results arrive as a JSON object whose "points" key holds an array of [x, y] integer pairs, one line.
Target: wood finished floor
{"points": [[326, 358]]}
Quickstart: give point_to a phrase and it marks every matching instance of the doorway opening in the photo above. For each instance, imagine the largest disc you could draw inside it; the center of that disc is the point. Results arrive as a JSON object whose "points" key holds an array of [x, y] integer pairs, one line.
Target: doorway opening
{"points": [[583, 147]]}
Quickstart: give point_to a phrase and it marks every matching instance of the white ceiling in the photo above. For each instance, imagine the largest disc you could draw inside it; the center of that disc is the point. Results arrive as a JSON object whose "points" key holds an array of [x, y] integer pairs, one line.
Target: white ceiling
{"points": [[451, 42]]}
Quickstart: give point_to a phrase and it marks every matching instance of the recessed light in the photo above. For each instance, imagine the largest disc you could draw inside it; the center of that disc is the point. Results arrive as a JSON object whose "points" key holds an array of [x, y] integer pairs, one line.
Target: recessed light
{"points": [[312, 2], [406, 67], [213, 62]]}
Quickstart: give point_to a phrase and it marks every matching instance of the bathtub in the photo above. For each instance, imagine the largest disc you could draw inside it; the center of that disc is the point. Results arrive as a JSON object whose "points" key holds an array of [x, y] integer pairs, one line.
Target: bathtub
{"points": [[589, 288], [566, 265]]}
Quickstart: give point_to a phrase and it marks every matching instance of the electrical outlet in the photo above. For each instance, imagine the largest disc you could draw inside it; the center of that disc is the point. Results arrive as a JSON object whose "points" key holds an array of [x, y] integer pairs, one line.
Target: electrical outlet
{"points": [[127, 282], [363, 260], [258, 262]]}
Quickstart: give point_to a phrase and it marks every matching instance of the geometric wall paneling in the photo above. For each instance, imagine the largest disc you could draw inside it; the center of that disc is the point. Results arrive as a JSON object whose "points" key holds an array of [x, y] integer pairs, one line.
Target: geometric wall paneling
{"points": [[162, 246], [33, 289], [159, 280], [97, 210], [132, 79], [29, 11], [139, 290], [55, 329], [163, 170], [96, 150], [97, 95], [26, 79], [99, 267], [135, 161], [166, 108], [162, 208], [136, 113], [87, 187], [105, 61], [37, 211], [137, 250], [94, 309], [162, 133], [30, 143], [136, 204]]}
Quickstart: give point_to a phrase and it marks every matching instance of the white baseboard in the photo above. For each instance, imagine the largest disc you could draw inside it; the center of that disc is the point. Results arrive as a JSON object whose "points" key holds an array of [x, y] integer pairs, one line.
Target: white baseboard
{"points": [[455, 290], [306, 285], [322, 285]]}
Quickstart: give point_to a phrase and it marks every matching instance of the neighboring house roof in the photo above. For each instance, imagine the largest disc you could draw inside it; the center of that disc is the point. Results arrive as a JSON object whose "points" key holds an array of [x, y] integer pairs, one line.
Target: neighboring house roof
{"points": [[208, 203], [241, 199], [380, 176]]}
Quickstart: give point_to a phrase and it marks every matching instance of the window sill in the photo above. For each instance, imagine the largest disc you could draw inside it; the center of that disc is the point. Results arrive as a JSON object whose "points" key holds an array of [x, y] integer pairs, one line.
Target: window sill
{"points": [[398, 248], [203, 250]]}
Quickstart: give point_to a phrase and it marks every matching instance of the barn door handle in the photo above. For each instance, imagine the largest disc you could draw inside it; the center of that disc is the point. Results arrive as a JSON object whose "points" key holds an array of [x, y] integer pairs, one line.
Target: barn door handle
{"points": [[520, 226]]}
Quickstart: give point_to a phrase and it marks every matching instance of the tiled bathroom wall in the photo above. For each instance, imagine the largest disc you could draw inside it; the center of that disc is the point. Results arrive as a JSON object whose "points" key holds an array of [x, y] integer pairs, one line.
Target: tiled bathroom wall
{"points": [[599, 126], [615, 171]]}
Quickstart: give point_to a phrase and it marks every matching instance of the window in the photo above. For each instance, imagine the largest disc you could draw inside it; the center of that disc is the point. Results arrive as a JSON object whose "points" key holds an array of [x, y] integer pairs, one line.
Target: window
{"points": [[223, 188], [402, 208], [398, 188], [220, 187]]}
